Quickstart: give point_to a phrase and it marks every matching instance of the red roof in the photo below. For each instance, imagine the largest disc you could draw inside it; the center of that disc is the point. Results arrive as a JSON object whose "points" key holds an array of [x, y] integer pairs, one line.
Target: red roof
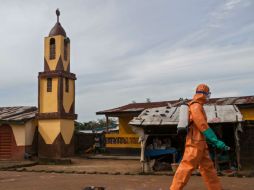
{"points": [[139, 107]]}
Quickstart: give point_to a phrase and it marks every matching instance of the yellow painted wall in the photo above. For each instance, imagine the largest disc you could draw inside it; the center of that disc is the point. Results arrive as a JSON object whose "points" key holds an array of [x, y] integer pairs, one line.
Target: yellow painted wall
{"points": [[24, 134], [30, 131], [68, 97], [49, 130], [122, 141], [67, 130], [48, 100], [19, 134], [126, 137], [248, 113], [124, 127], [59, 51]]}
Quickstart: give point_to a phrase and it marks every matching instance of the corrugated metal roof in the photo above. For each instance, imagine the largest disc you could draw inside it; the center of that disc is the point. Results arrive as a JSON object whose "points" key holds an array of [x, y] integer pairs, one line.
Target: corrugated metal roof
{"points": [[18, 113], [170, 115], [99, 131], [139, 107]]}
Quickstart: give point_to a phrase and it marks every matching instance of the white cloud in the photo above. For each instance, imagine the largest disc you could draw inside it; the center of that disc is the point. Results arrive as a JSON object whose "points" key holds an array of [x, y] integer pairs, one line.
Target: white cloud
{"points": [[130, 50]]}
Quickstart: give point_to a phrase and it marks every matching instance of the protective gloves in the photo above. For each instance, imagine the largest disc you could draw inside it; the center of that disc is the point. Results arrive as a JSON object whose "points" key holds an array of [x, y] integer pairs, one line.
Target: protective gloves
{"points": [[212, 139]]}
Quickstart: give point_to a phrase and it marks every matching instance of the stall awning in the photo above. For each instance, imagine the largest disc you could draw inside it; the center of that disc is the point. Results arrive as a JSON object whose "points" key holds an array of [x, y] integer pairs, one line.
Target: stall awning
{"points": [[163, 116]]}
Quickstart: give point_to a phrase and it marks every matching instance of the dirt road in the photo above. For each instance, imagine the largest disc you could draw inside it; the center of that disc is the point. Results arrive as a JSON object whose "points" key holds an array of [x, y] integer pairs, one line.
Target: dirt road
{"points": [[52, 181]]}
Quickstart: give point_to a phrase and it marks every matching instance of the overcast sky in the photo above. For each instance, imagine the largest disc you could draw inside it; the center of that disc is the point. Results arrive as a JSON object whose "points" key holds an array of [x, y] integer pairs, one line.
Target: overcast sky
{"points": [[130, 50]]}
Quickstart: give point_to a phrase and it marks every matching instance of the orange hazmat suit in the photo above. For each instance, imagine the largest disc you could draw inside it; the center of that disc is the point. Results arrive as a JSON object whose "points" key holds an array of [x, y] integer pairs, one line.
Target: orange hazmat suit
{"points": [[196, 154]]}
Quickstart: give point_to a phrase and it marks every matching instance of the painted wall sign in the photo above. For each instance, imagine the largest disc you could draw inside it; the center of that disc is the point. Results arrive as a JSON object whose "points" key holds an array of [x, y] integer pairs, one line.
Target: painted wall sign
{"points": [[122, 141]]}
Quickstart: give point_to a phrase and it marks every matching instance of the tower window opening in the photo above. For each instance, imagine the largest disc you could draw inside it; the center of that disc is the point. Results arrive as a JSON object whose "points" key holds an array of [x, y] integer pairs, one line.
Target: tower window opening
{"points": [[49, 84], [65, 49], [52, 48], [66, 85]]}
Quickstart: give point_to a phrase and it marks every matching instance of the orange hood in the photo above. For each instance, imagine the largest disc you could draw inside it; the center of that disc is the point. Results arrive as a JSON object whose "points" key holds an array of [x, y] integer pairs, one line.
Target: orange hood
{"points": [[200, 98]]}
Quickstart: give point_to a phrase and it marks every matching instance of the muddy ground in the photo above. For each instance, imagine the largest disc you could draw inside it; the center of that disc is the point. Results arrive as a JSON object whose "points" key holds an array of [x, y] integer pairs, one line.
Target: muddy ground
{"points": [[12, 180], [103, 166], [110, 173]]}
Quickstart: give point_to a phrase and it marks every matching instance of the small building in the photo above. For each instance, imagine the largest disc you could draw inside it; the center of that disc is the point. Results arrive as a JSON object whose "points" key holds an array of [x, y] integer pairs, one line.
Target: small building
{"points": [[125, 142], [159, 139], [18, 132], [127, 112]]}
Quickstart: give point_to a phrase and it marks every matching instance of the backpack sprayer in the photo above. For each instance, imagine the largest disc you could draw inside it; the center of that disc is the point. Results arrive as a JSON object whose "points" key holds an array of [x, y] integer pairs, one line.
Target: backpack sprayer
{"points": [[184, 114]]}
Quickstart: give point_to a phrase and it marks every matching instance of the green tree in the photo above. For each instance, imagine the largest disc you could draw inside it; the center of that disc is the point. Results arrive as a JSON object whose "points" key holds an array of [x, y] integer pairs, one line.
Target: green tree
{"points": [[94, 125]]}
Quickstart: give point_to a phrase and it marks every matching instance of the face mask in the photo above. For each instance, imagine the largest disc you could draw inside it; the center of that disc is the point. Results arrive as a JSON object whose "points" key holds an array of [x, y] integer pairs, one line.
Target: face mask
{"points": [[208, 95]]}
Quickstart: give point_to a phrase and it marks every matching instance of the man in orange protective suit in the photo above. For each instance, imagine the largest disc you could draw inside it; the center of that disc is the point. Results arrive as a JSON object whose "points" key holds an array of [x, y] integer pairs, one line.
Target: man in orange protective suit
{"points": [[196, 152]]}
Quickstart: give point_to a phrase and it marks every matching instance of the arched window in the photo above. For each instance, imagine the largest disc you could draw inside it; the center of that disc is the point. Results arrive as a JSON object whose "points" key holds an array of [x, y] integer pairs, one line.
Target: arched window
{"points": [[49, 84], [66, 85], [52, 48], [65, 49]]}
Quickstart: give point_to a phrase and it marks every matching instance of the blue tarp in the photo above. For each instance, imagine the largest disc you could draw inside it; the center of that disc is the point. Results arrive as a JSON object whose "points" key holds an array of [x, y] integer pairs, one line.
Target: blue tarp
{"points": [[160, 152]]}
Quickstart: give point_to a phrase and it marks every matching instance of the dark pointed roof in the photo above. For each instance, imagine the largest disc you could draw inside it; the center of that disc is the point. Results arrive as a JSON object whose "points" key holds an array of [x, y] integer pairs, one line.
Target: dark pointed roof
{"points": [[57, 29]]}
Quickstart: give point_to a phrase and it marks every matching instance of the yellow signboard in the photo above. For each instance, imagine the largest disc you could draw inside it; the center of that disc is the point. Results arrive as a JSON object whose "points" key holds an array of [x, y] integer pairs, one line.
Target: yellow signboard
{"points": [[122, 141]]}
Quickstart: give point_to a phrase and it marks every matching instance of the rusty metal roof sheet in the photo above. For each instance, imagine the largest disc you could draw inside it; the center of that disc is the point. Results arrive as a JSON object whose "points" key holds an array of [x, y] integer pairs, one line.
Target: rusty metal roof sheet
{"points": [[139, 107], [18, 113], [164, 116]]}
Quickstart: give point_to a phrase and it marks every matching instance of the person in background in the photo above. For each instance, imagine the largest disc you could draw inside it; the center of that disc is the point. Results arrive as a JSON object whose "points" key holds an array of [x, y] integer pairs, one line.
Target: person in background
{"points": [[97, 144]]}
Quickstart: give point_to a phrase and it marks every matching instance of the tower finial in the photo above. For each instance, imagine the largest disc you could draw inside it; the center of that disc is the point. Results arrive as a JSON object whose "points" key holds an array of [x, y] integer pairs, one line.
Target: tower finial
{"points": [[57, 14]]}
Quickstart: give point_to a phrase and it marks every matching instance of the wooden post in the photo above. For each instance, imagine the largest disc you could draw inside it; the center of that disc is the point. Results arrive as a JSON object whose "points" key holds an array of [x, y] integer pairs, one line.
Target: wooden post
{"points": [[237, 145], [174, 158], [107, 123]]}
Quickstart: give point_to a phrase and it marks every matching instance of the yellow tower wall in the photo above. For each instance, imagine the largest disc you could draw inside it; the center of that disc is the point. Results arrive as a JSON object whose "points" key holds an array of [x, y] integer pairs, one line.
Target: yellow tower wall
{"points": [[48, 100], [68, 97], [67, 129], [56, 112], [52, 63], [50, 129]]}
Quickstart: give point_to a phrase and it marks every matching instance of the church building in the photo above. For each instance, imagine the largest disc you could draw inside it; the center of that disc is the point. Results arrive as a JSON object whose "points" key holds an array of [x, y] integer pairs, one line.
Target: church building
{"points": [[46, 131], [56, 101]]}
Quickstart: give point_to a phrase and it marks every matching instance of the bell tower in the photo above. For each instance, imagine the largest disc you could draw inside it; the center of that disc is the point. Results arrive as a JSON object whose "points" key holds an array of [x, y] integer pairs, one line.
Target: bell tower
{"points": [[56, 97]]}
